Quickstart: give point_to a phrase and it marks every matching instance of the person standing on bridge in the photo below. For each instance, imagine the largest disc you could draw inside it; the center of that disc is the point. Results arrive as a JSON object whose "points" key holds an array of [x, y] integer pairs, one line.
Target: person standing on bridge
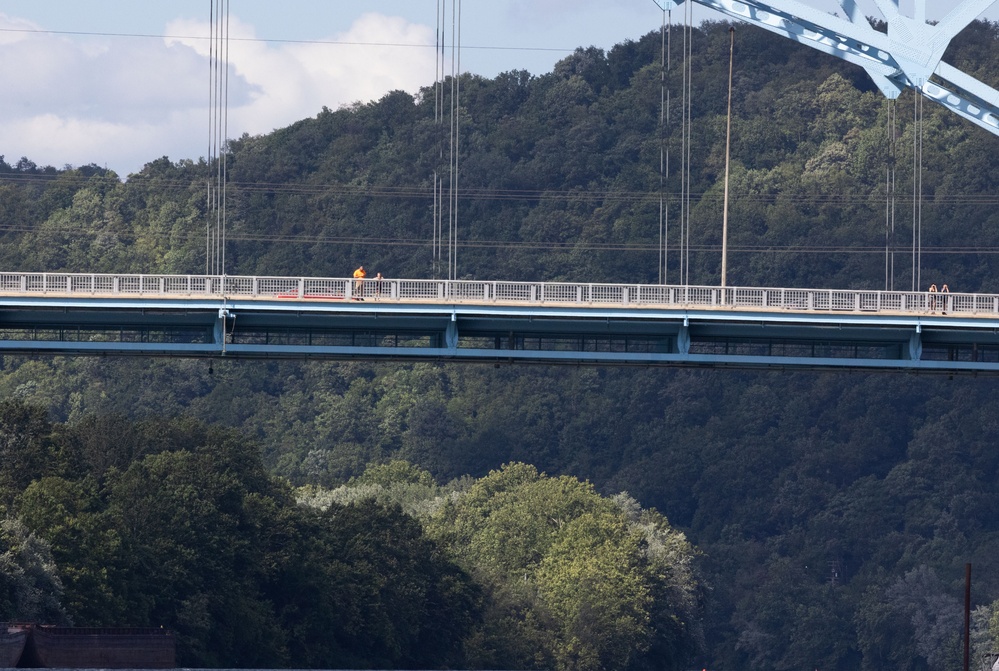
{"points": [[378, 285], [359, 276], [944, 290], [933, 299]]}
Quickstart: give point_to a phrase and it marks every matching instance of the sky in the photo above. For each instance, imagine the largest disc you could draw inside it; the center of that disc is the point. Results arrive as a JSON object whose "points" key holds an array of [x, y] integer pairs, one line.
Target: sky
{"points": [[120, 83]]}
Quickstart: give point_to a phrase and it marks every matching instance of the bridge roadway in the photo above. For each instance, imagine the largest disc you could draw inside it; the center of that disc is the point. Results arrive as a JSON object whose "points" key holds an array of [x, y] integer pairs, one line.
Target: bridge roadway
{"points": [[498, 322]]}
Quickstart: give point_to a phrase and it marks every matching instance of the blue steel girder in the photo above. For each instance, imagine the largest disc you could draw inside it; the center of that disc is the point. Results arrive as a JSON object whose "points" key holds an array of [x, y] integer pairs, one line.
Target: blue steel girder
{"points": [[908, 56], [719, 336]]}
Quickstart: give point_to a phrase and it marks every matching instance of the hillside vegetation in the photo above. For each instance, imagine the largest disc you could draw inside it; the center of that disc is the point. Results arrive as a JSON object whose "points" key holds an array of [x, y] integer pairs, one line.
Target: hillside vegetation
{"points": [[815, 520]]}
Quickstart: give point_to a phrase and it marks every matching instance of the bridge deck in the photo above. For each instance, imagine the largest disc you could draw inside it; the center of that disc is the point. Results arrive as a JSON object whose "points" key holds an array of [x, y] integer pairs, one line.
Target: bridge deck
{"points": [[497, 321]]}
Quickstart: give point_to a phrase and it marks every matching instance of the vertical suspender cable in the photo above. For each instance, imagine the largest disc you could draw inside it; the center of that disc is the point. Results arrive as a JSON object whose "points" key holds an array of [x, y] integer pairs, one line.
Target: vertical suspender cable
{"points": [[917, 189], [211, 135], [218, 137], [225, 134], [688, 127], [438, 69], [457, 138], [455, 96], [666, 33], [450, 216], [683, 146], [663, 225], [728, 149], [891, 136], [218, 127], [919, 204]]}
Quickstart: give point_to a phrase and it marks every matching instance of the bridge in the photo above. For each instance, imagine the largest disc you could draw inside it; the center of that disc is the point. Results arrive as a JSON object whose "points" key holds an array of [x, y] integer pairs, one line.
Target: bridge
{"points": [[557, 322], [497, 322]]}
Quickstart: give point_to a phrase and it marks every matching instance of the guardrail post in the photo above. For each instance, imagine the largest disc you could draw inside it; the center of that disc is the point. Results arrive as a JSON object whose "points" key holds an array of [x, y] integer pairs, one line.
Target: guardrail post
{"points": [[301, 287], [534, 293], [624, 295]]}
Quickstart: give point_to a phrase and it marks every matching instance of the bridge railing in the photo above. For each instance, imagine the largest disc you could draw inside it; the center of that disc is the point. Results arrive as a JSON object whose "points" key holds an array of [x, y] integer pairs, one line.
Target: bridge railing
{"points": [[562, 293]]}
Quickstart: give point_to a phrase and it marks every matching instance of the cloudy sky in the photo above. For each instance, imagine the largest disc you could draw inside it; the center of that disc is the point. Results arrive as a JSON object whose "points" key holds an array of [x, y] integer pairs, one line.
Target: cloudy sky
{"points": [[122, 82]]}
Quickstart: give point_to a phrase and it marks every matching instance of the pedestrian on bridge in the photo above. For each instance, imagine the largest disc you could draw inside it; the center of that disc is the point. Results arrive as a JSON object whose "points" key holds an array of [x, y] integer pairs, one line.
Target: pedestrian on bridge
{"points": [[933, 299], [944, 290], [359, 276]]}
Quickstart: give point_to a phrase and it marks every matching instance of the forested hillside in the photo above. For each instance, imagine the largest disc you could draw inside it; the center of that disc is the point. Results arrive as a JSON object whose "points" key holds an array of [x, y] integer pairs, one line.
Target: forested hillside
{"points": [[826, 518]]}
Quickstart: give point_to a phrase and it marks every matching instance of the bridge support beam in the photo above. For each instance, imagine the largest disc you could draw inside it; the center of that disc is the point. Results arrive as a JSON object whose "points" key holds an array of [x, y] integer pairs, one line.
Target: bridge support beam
{"points": [[219, 332], [916, 345], [683, 339]]}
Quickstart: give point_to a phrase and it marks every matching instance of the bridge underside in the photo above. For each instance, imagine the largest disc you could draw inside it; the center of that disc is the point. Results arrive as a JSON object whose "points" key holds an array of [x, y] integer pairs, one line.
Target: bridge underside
{"points": [[500, 334]]}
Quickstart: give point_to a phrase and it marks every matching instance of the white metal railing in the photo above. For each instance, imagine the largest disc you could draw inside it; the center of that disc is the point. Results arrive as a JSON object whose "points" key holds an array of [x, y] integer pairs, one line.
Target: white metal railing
{"points": [[467, 291]]}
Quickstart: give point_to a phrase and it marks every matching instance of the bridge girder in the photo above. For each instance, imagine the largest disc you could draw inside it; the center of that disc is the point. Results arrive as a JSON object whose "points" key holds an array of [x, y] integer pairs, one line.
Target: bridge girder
{"points": [[910, 55]]}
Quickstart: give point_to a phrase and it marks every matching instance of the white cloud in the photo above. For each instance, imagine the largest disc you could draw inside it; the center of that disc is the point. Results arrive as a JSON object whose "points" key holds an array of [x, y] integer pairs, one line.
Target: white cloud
{"points": [[123, 102]]}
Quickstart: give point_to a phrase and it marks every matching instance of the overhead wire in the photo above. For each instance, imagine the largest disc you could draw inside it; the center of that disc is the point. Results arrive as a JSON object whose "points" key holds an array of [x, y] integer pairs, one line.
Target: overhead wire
{"points": [[273, 40], [876, 199], [381, 241]]}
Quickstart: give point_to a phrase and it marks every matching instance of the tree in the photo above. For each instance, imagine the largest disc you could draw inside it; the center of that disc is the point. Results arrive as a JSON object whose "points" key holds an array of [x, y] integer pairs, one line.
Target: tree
{"points": [[30, 590], [573, 581]]}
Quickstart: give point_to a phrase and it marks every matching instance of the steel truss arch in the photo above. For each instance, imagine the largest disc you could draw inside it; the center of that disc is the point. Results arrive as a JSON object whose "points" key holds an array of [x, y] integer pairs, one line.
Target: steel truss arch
{"points": [[909, 55]]}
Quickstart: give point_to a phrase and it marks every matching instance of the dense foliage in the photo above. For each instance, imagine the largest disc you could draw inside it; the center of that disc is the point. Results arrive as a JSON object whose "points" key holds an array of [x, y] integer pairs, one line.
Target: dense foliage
{"points": [[833, 513], [172, 523]]}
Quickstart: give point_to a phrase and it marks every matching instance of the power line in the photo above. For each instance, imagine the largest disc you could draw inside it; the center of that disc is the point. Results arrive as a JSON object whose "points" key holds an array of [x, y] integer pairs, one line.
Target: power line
{"points": [[545, 245], [272, 40], [417, 191]]}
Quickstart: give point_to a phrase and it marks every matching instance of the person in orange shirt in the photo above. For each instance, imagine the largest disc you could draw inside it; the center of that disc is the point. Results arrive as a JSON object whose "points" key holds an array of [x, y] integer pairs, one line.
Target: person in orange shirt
{"points": [[359, 276]]}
